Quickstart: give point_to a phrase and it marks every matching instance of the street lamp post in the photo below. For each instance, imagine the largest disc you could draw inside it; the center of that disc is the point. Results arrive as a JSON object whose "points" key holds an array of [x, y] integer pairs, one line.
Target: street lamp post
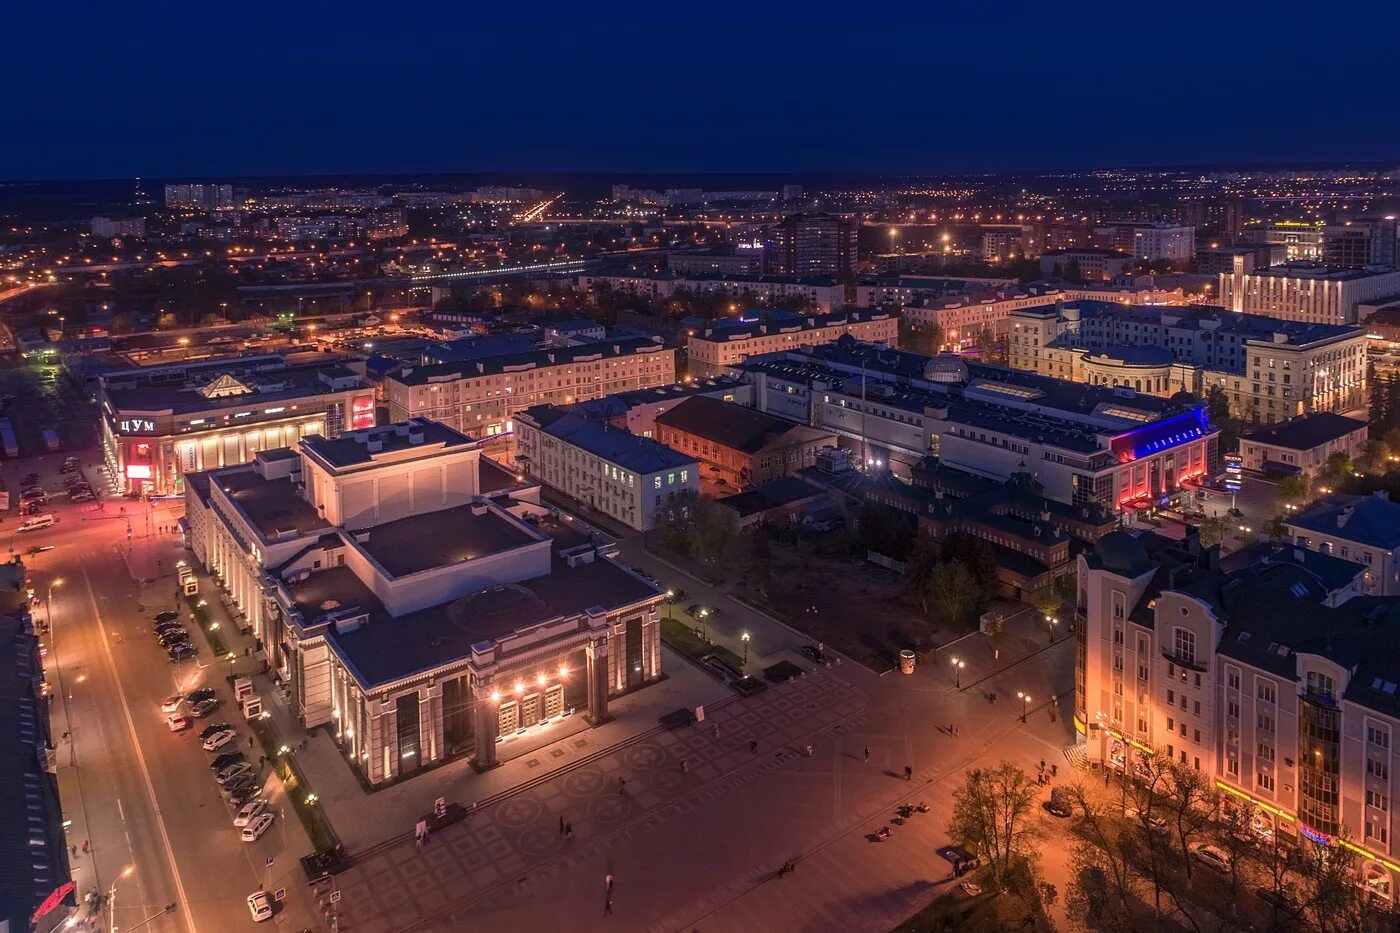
{"points": [[1050, 623], [1025, 699], [670, 600], [48, 606], [704, 635], [745, 639], [112, 897], [958, 665]]}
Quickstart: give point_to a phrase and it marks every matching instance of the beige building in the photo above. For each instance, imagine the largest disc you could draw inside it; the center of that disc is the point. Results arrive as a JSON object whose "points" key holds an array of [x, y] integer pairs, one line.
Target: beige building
{"points": [[712, 349], [1217, 663], [1303, 444], [417, 600], [480, 396], [1308, 291], [1270, 369]]}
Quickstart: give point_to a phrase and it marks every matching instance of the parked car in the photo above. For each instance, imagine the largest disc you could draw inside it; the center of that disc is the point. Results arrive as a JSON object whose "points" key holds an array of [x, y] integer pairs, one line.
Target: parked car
{"points": [[1214, 857], [233, 773], [179, 723], [813, 652], [181, 651], [81, 497], [219, 739], [173, 637], [212, 728], [1152, 820], [240, 795], [224, 760], [171, 703], [260, 906], [254, 830], [203, 693], [169, 615], [165, 628], [1283, 900], [203, 708], [248, 812]]}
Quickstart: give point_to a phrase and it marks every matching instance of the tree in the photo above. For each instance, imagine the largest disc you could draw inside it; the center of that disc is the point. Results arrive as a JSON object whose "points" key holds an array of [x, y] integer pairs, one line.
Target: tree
{"points": [[920, 338], [1391, 439], [991, 816], [713, 534], [1337, 467], [1046, 601], [951, 592], [978, 556], [166, 321], [760, 556], [1212, 530], [1294, 489], [1377, 455], [1073, 272]]}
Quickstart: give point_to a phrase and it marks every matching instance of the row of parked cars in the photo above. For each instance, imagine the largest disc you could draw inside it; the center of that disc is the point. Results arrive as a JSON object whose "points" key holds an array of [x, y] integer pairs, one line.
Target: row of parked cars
{"points": [[238, 779], [172, 636]]}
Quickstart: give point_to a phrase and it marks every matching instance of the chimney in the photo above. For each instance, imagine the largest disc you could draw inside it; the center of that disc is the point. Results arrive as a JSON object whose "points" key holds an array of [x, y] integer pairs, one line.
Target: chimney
{"points": [[1344, 516]]}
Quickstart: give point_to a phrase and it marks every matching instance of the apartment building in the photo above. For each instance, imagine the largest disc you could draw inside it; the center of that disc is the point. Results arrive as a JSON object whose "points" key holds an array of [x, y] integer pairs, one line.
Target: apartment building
{"points": [[1365, 529], [739, 447], [1265, 670], [712, 348], [1270, 369], [1303, 444], [1095, 265], [1308, 291], [481, 396], [625, 476], [821, 292]]}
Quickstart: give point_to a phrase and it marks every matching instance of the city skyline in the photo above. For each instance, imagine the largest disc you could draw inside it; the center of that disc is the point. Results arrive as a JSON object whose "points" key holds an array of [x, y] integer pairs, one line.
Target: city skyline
{"points": [[908, 93]]}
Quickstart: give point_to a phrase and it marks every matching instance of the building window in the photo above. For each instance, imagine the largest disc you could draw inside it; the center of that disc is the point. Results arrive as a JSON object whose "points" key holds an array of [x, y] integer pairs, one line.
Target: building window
{"points": [[1378, 768], [1184, 643], [1265, 780], [1268, 692], [1375, 798]]}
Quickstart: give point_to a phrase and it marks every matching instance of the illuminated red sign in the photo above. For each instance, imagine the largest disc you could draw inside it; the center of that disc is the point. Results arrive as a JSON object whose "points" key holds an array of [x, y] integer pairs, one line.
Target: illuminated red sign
{"points": [[52, 901], [362, 413]]}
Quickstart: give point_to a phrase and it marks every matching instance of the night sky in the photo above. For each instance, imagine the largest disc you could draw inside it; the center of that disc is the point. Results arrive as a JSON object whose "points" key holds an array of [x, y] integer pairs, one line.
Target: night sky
{"points": [[195, 89]]}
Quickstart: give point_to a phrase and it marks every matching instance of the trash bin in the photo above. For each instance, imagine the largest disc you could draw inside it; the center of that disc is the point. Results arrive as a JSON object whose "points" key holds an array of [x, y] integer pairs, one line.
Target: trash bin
{"points": [[906, 662]]}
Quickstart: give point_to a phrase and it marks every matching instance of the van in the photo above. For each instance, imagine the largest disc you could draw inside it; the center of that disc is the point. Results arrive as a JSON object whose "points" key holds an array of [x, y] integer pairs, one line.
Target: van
{"points": [[35, 523]]}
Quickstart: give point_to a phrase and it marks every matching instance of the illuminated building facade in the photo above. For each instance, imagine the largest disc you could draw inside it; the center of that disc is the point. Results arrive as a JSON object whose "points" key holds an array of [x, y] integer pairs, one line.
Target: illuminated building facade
{"points": [[1265, 670], [1308, 291], [1269, 369], [159, 423], [415, 596], [481, 395], [1085, 444], [710, 350]]}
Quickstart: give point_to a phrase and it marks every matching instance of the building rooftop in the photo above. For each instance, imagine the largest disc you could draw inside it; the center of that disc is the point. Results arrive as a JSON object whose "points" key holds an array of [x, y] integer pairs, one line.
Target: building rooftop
{"points": [[640, 455], [275, 507], [247, 383], [359, 447], [757, 324], [1371, 520], [1211, 318], [1306, 431], [1304, 269], [619, 403], [522, 362], [442, 538], [727, 424], [771, 495]]}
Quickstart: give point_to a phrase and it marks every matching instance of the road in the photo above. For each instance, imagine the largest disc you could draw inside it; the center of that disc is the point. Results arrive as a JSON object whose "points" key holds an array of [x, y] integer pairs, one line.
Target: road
{"points": [[139, 796]]}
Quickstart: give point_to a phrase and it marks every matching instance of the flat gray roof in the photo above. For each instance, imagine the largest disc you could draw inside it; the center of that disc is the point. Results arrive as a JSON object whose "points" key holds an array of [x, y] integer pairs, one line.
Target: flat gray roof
{"points": [[439, 539], [274, 506]]}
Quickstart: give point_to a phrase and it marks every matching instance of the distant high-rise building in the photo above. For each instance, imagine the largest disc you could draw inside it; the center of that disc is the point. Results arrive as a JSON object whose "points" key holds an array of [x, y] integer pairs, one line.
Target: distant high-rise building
{"points": [[385, 225], [792, 192], [1302, 239], [1363, 241], [198, 197], [813, 244], [109, 228]]}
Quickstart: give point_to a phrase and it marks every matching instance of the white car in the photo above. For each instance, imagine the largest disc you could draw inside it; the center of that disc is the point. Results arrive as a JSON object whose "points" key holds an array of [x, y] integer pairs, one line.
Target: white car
{"points": [[1214, 857], [171, 703], [260, 906], [250, 810], [219, 739], [178, 723], [254, 830]]}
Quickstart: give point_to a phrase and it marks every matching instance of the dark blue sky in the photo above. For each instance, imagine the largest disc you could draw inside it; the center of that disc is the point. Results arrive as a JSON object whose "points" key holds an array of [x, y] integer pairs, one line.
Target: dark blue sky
{"points": [[200, 89]]}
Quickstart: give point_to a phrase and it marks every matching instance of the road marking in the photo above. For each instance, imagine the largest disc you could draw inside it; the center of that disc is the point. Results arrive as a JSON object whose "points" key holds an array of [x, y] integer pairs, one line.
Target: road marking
{"points": [[140, 757]]}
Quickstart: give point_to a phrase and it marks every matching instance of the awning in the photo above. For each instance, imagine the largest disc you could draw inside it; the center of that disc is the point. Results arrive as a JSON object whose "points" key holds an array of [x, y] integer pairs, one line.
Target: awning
{"points": [[1280, 469]]}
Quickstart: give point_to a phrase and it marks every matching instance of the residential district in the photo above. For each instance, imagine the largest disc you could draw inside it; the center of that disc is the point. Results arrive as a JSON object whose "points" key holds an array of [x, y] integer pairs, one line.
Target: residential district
{"points": [[994, 555]]}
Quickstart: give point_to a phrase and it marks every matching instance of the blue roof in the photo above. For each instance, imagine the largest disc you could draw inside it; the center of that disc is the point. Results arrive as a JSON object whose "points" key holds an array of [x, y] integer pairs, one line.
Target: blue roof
{"points": [[1372, 520], [640, 455]]}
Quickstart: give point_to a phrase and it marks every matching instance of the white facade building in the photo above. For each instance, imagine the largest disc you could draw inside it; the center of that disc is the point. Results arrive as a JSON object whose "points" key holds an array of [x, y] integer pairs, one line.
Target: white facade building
{"points": [[1308, 291]]}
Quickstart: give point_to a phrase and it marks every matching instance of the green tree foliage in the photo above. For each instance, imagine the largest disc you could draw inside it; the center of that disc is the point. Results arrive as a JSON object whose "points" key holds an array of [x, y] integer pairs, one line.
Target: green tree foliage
{"points": [[1294, 489], [992, 816], [977, 556], [951, 592], [919, 338]]}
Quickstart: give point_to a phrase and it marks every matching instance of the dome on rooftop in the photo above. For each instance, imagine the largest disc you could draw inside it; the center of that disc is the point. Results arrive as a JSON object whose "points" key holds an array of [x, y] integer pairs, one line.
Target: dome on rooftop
{"points": [[1120, 552], [1184, 398], [946, 368]]}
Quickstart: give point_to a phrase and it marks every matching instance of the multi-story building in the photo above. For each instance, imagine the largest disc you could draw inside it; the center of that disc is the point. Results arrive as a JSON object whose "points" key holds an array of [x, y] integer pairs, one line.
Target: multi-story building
{"points": [[711, 349], [1264, 671], [1303, 444], [1086, 444], [1308, 291], [198, 197], [161, 422], [636, 411], [1360, 242], [625, 476], [110, 228], [1270, 369], [813, 244], [1365, 529], [385, 225], [482, 395], [417, 600], [1094, 265], [1002, 243], [901, 290], [721, 261], [736, 446], [1300, 239], [981, 313], [1236, 260], [1150, 241]]}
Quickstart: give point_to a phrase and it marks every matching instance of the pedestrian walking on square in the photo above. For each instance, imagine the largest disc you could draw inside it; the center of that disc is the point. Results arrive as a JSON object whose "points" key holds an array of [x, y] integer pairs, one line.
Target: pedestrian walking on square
{"points": [[809, 751], [561, 825], [753, 746], [85, 847], [716, 730], [867, 754], [607, 907], [908, 772], [621, 789], [685, 765], [607, 883], [568, 830]]}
